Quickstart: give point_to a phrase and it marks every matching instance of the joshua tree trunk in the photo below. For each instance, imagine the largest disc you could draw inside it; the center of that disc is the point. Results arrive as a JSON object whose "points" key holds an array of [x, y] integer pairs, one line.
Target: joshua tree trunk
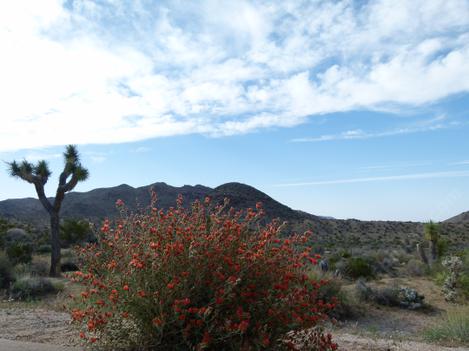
{"points": [[422, 254], [55, 244], [433, 250], [432, 234]]}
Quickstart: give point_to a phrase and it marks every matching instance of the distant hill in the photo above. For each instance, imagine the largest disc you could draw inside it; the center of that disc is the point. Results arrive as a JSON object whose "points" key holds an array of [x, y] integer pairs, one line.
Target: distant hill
{"points": [[460, 218], [97, 204]]}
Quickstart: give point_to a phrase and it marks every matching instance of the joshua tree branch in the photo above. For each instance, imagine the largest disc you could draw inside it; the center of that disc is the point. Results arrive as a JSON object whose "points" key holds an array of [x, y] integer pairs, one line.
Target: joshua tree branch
{"points": [[42, 197]]}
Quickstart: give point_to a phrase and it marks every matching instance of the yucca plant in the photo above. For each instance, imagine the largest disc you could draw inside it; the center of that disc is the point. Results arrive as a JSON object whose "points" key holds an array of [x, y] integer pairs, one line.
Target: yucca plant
{"points": [[432, 234]]}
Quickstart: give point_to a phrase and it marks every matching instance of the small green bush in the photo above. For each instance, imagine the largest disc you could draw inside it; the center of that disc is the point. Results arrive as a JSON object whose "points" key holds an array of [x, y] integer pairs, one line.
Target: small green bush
{"points": [[44, 249], [74, 232], [18, 246], [415, 268], [442, 246], [393, 295], [464, 283], [4, 226], [358, 267], [454, 328], [39, 268], [28, 288], [346, 306], [6, 272]]}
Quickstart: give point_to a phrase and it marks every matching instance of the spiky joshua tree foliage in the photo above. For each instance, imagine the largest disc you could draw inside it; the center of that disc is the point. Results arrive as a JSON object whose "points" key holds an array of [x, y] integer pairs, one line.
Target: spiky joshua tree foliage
{"points": [[38, 174], [432, 234]]}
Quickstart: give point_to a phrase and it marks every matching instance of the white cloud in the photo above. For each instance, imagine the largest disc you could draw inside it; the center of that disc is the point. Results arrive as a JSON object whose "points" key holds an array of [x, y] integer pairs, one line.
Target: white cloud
{"points": [[38, 156], [416, 176], [396, 165], [358, 134], [96, 156], [142, 149], [460, 163], [126, 71]]}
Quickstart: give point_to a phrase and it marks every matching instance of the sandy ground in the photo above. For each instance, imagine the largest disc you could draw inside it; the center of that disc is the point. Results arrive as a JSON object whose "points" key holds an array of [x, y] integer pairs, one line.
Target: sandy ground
{"points": [[36, 325], [13, 345], [351, 342], [42, 327], [51, 330]]}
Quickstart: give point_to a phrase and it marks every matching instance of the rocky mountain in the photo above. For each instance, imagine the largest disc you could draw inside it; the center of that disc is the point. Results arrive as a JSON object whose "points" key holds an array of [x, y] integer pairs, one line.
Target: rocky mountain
{"points": [[460, 218], [97, 204]]}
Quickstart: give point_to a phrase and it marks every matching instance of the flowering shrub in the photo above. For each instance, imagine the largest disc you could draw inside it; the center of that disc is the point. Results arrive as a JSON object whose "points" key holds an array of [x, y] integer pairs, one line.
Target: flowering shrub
{"points": [[199, 279]]}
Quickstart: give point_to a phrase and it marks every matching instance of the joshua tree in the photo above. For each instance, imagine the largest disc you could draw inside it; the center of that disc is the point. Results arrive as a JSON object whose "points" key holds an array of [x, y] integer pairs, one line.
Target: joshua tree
{"points": [[432, 234], [38, 175]]}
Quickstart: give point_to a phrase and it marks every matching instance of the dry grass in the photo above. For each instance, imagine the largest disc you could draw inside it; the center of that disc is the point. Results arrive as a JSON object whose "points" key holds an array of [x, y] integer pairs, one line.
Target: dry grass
{"points": [[453, 328]]}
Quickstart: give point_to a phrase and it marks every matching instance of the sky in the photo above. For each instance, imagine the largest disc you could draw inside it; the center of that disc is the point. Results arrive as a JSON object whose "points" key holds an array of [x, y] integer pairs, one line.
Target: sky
{"points": [[349, 109]]}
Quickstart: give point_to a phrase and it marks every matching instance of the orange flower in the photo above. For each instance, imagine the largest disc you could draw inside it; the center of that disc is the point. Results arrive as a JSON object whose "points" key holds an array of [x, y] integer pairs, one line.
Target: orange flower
{"points": [[91, 325], [157, 321], [243, 326]]}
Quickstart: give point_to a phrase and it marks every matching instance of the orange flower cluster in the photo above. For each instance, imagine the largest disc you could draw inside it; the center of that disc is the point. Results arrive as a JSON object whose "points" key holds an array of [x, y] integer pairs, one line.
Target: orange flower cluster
{"points": [[198, 278]]}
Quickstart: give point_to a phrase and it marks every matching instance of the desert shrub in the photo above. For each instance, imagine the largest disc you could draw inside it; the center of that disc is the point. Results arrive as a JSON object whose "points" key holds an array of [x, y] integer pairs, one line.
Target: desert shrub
{"points": [[464, 279], [44, 249], [18, 246], [332, 288], [454, 328], [201, 278], [28, 288], [68, 253], [363, 291], [415, 268], [393, 295], [358, 267], [74, 231], [442, 246], [387, 296], [337, 257], [387, 265], [6, 272], [39, 268], [5, 225], [464, 283]]}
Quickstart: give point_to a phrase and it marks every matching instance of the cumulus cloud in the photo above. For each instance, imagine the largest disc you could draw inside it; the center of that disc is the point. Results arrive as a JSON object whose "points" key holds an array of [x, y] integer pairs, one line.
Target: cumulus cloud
{"points": [[106, 72]]}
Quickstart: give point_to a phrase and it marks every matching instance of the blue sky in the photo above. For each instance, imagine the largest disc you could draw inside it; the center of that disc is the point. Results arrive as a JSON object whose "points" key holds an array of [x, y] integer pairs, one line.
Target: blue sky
{"points": [[340, 108]]}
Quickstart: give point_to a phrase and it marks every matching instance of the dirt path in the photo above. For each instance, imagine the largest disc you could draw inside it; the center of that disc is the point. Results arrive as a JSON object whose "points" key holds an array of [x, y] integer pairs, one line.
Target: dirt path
{"points": [[36, 325], [349, 342], [13, 345], [40, 329]]}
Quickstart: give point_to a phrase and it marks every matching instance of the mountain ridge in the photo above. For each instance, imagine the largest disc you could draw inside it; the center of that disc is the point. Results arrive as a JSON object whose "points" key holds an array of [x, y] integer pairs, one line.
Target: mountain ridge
{"points": [[98, 204]]}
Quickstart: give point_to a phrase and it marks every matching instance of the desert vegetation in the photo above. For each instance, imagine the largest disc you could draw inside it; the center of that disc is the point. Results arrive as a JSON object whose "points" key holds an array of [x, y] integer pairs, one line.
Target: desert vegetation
{"points": [[203, 276]]}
